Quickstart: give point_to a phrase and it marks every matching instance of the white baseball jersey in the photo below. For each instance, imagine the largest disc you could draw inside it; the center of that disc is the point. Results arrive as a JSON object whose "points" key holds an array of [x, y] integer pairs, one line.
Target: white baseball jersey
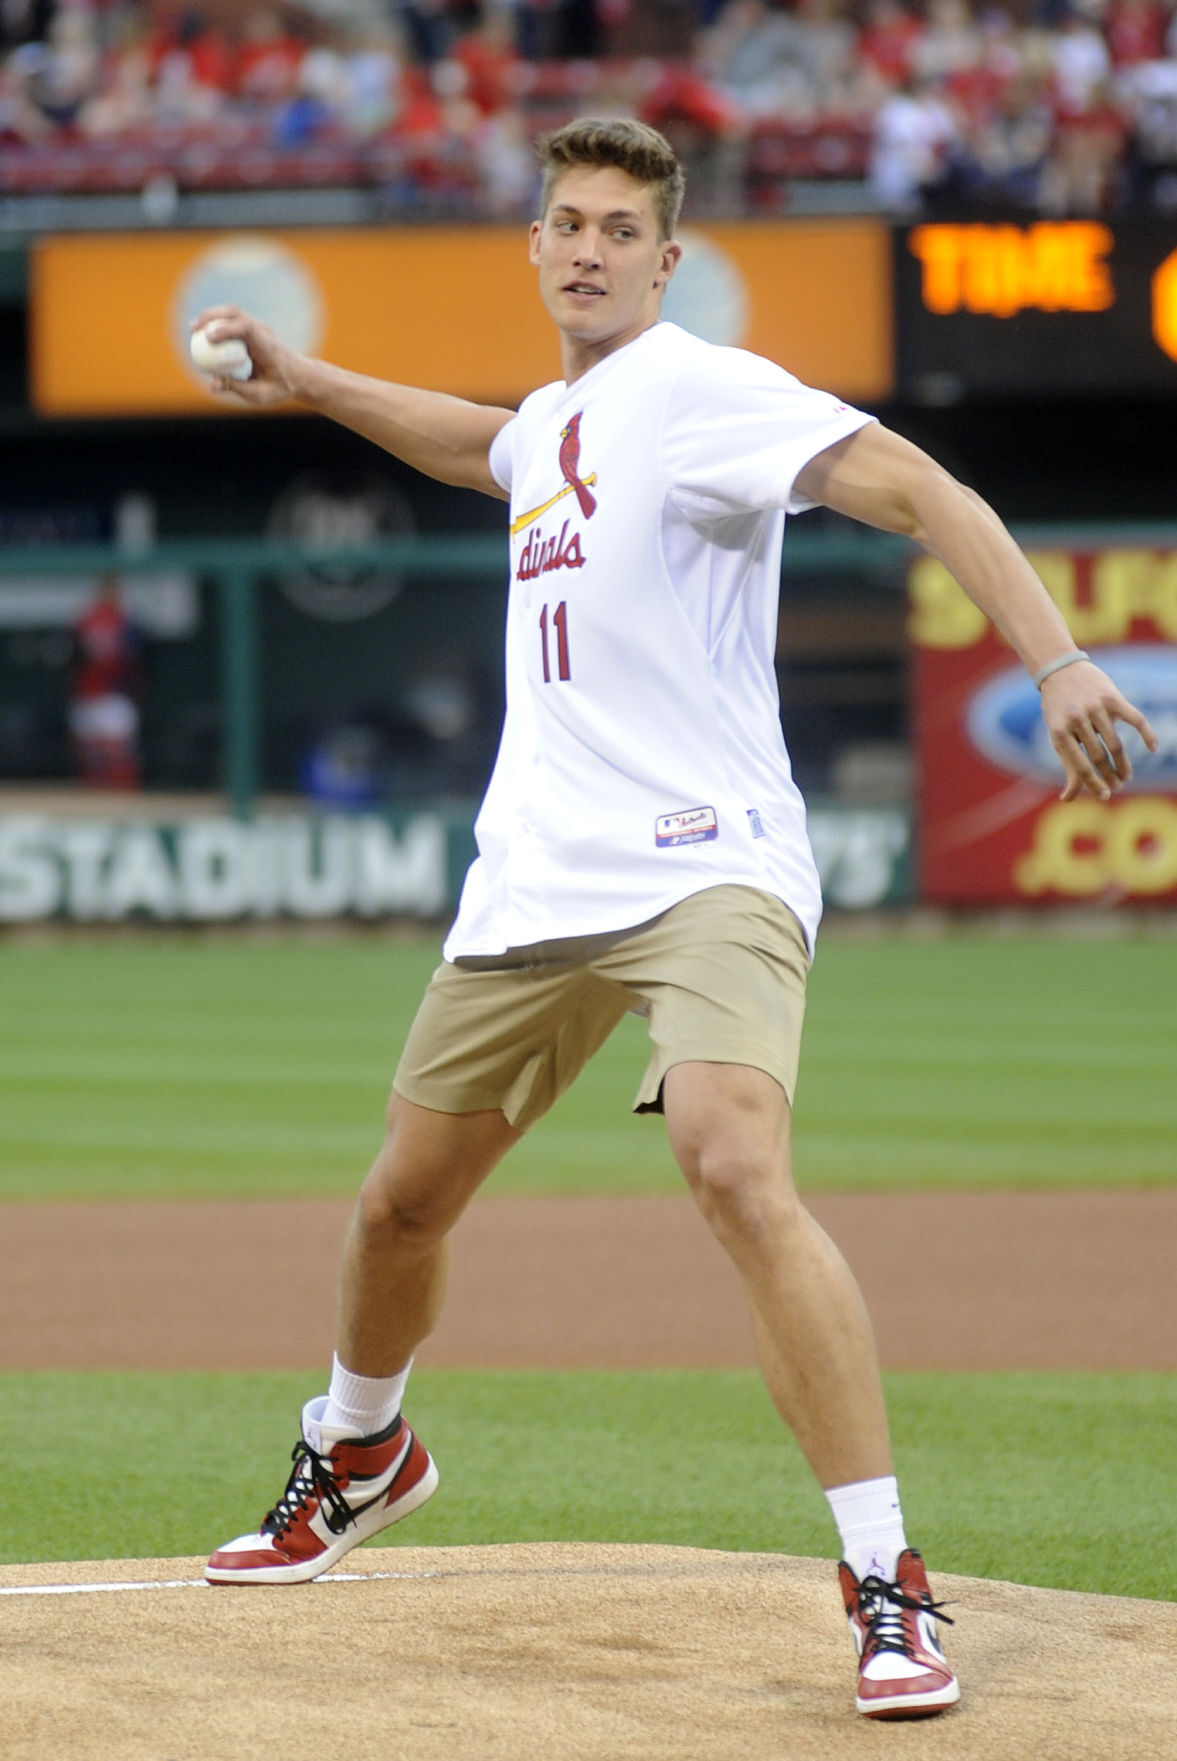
{"points": [[642, 757]]}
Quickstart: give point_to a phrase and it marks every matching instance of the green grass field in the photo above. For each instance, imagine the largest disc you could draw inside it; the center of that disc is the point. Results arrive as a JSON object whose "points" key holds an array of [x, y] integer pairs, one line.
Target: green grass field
{"points": [[1024, 1477], [203, 1066]]}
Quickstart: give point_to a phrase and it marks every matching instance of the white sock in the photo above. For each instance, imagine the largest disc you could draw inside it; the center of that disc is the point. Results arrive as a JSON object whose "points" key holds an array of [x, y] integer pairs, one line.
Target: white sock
{"points": [[870, 1523], [363, 1404]]}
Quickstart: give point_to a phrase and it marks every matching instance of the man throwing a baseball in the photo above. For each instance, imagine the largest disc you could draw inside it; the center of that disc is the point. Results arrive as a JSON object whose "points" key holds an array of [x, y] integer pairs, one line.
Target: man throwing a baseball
{"points": [[642, 845]]}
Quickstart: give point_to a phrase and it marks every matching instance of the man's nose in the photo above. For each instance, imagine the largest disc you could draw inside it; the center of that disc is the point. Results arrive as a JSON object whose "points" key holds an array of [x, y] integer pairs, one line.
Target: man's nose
{"points": [[588, 249]]}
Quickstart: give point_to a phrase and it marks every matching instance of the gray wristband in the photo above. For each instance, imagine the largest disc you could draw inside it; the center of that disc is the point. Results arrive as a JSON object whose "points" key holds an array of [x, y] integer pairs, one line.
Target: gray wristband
{"points": [[1056, 666]]}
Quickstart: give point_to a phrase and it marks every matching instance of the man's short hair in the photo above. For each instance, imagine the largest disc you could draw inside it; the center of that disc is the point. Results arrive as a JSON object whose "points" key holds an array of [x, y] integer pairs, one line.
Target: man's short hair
{"points": [[619, 141]]}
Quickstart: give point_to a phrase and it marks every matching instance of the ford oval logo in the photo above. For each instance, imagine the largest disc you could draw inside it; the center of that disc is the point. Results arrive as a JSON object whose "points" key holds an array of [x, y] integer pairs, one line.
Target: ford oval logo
{"points": [[1004, 720]]}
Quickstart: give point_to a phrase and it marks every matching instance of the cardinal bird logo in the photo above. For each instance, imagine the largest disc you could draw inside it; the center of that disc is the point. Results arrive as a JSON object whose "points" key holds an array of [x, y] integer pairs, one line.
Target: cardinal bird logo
{"points": [[574, 483], [569, 463]]}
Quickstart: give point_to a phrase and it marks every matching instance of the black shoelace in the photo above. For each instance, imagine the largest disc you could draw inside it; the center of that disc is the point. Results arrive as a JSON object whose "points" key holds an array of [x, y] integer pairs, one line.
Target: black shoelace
{"points": [[881, 1606], [312, 1474]]}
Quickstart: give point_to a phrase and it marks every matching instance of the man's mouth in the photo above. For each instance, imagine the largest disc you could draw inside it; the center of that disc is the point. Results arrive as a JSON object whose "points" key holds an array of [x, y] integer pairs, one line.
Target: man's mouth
{"points": [[583, 287]]}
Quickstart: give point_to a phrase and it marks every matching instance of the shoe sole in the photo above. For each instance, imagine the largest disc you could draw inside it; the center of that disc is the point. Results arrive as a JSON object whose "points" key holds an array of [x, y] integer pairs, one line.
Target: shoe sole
{"points": [[313, 1568], [911, 1705]]}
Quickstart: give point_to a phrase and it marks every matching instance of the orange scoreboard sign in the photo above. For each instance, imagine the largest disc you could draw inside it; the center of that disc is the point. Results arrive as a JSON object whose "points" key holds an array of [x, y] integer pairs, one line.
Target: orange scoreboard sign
{"points": [[453, 308], [992, 828], [1046, 306]]}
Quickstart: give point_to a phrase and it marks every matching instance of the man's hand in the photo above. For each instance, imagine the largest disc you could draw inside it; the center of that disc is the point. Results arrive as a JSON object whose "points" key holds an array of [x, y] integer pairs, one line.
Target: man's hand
{"points": [[1081, 707], [276, 367]]}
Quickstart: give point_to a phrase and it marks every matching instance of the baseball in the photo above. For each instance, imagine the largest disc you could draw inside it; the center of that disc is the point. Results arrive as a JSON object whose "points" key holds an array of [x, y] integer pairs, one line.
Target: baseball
{"points": [[228, 359]]}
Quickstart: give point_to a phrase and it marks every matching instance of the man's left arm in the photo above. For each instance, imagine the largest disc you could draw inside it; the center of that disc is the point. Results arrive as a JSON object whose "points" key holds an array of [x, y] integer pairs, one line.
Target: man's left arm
{"points": [[880, 478]]}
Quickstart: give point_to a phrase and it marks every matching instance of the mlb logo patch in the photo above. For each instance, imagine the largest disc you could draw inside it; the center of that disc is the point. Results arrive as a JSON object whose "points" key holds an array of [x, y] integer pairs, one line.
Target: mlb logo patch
{"points": [[696, 825]]}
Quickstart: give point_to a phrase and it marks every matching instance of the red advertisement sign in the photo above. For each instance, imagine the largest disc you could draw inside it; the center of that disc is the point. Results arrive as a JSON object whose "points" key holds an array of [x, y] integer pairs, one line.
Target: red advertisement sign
{"points": [[992, 829]]}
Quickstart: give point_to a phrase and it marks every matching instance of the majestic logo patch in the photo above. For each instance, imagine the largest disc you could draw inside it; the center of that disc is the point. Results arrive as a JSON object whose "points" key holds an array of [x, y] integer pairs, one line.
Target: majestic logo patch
{"points": [[697, 825], [574, 483]]}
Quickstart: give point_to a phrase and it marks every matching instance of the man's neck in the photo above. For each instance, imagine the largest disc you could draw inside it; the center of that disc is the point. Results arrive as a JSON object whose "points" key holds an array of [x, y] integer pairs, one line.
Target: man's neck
{"points": [[580, 356]]}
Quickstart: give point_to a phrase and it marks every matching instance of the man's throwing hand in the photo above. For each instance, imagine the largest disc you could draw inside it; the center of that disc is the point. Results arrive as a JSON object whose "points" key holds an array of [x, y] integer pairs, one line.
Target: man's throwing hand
{"points": [[1081, 707], [275, 375]]}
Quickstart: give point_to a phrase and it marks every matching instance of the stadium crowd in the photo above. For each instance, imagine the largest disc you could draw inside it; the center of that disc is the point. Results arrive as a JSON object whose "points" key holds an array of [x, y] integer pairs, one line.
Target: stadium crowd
{"points": [[954, 106]]}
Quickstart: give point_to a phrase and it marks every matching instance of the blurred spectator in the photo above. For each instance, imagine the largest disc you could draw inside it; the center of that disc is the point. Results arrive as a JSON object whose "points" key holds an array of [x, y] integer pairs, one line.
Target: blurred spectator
{"points": [[1080, 170], [1081, 61], [268, 59], [438, 100], [754, 55], [707, 130], [1151, 171], [106, 691], [887, 45], [22, 121], [491, 60], [430, 27], [124, 100], [826, 51], [1135, 32], [191, 68], [950, 45], [914, 134], [510, 177], [1000, 164], [66, 73], [373, 67]]}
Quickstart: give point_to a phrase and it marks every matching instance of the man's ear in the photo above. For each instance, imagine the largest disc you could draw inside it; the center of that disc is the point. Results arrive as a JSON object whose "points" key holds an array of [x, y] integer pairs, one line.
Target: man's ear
{"points": [[533, 239], [671, 258]]}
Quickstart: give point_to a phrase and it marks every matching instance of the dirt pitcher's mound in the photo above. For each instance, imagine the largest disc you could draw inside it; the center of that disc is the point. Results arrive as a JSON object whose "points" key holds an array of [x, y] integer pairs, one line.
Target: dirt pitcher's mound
{"points": [[557, 1652]]}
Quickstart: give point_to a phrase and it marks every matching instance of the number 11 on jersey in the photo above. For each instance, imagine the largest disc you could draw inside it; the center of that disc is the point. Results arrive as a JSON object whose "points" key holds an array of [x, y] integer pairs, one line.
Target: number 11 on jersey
{"points": [[560, 625]]}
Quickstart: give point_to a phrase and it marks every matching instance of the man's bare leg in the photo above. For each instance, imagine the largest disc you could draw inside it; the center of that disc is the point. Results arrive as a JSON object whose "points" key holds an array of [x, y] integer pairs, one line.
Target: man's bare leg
{"points": [[729, 1127], [353, 1478], [395, 1256]]}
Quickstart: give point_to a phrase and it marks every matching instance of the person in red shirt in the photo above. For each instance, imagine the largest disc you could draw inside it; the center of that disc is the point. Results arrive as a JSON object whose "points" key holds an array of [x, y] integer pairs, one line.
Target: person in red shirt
{"points": [[490, 58], [265, 68], [106, 691], [888, 41], [186, 49], [1135, 32]]}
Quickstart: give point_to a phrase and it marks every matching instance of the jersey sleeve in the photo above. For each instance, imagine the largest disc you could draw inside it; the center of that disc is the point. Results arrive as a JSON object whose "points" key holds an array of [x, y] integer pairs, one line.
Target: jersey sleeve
{"points": [[501, 457], [738, 429]]}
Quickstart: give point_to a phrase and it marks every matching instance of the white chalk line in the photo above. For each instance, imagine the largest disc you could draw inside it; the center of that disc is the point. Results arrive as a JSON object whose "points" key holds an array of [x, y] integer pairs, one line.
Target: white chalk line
{"points": [[335, 1577]]}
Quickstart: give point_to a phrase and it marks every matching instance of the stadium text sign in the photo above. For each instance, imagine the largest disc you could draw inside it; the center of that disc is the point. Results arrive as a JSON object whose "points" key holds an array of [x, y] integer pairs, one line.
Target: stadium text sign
{"points": [[992, 829], [215, 870], [1055, 266], [1052, 305], [220, 870]]}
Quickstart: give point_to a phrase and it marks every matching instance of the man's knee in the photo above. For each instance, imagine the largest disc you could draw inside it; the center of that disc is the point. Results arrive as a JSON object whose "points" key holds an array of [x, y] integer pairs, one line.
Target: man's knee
{"points": [[404, 1203], [429, 1167], [740, 1187]]}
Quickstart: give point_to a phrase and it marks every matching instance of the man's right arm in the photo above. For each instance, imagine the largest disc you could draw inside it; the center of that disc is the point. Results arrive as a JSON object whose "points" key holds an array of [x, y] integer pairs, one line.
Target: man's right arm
{"points": [[445, 437]]}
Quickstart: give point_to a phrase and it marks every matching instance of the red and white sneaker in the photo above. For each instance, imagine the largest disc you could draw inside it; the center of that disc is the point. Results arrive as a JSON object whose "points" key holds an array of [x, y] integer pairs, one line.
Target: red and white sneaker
{"points": [[343, 1490], [902, 1670]]}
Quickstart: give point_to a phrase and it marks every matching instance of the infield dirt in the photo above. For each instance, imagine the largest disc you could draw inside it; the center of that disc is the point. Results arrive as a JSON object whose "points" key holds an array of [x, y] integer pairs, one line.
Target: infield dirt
{"points": [[561, 1652], [954, 1281], [557, 1653]]}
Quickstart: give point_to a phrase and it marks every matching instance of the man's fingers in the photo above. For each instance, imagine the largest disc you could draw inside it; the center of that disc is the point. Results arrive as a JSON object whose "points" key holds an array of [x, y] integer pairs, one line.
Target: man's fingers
{"points": [[1081, 766], [1127, 712], [1105, 727], [213, 314]]}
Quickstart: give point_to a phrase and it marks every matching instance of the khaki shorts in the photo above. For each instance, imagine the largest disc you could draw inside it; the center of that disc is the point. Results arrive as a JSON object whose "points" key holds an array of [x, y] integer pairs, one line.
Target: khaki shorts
{"points": [[720, 978]]}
